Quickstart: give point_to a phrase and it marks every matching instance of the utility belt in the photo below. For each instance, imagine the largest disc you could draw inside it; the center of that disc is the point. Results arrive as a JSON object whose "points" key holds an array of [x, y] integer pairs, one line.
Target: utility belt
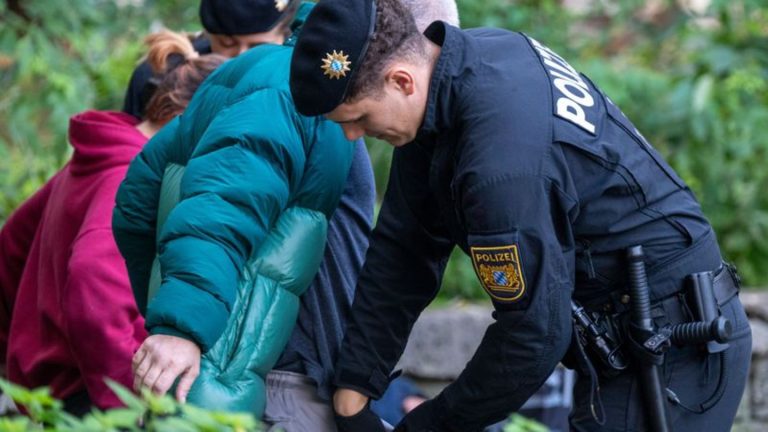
{"points": [[674, 308], [603, 326], [631, 328]]}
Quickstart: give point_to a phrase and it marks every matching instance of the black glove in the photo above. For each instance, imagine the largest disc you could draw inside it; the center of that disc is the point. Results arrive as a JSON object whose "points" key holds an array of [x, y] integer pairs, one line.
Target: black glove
{"points": [[426, 417], [364, 421]]}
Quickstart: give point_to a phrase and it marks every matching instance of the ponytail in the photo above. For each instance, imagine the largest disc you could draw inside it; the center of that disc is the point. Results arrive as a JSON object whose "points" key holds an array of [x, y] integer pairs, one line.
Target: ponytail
{"points": [[179, 70], [168, 49]]}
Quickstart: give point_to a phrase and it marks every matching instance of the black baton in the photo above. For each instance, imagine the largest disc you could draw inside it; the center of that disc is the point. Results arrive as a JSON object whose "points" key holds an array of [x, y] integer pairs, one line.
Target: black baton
{"points": [[643, 331]]}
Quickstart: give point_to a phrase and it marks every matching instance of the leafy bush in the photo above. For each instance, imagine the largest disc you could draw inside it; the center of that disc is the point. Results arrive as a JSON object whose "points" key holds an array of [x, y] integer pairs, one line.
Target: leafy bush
{"points": [[519, 423], [57, 59], [148, 413]]}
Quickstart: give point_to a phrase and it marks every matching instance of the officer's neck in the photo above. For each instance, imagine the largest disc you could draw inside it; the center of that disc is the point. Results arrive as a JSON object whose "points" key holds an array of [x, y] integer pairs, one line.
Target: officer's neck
{"points": [[433, 53], [423, 77]]}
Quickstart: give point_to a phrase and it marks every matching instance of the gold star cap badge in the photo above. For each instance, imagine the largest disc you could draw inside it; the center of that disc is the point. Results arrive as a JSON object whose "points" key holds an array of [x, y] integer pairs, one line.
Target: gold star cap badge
{"points": [[336, 65], [280, 5]]}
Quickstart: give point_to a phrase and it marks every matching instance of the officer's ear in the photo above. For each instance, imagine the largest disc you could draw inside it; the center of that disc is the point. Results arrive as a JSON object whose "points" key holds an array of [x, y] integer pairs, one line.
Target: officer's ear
{"points": [[401, 79]]}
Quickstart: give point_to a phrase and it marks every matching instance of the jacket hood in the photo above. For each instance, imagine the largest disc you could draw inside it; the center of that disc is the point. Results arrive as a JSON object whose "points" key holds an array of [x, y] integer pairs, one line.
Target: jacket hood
{"points": [[103, 139]]}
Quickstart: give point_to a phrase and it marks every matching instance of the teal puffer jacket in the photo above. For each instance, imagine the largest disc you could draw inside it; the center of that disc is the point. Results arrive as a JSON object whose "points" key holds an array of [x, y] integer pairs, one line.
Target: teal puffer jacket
{"points": [[222, 221]]}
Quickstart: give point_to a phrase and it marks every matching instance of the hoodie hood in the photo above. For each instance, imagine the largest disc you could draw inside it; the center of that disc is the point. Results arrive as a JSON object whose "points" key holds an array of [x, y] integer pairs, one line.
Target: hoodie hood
{"points": [[102, 140]]}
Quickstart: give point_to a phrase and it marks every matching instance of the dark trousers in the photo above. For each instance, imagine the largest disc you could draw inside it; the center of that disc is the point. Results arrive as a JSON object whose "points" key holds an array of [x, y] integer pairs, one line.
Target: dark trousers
{"points": [[688, 371]]}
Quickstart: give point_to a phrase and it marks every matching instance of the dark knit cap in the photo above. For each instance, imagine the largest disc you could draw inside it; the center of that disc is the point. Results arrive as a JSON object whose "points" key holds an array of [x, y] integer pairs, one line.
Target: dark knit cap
{"points": [[330, 48], [238, 17]]}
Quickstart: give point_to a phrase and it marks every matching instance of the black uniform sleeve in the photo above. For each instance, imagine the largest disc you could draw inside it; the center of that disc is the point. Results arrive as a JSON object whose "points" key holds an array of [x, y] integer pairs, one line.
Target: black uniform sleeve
{"points": [[515, 229], [401, 275]]}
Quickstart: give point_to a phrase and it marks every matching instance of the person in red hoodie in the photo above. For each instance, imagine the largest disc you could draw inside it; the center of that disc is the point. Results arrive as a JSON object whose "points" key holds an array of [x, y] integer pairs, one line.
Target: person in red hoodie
{"points": [[68, 318]]}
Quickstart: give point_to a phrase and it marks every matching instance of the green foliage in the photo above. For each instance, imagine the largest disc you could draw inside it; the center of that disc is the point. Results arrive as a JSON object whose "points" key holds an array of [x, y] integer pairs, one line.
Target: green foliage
{"points": [[148, 412], [518, 423], [42, 408], [58, 59]]}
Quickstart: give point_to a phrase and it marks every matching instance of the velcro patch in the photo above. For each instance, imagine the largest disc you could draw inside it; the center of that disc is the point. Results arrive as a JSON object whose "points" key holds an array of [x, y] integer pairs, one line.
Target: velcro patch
{"points": [[574, 100], [499, 271]]}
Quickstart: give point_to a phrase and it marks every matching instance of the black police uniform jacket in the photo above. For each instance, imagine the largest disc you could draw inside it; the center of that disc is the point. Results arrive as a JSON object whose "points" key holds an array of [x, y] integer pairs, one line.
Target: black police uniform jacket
{"points": [[543, 182]]}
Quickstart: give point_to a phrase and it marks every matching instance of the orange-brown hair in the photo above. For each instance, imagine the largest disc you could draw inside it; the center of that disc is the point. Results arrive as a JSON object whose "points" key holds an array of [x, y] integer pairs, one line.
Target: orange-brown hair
{"points": [[179, 71]]}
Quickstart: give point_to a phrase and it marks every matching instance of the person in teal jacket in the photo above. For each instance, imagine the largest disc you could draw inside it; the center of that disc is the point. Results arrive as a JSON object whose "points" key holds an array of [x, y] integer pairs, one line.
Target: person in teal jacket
{"points": [[222, 220]]}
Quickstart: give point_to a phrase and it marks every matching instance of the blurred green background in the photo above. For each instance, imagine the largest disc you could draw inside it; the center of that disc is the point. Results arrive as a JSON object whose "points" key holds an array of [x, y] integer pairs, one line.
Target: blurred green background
{"points": [[691, 74]]}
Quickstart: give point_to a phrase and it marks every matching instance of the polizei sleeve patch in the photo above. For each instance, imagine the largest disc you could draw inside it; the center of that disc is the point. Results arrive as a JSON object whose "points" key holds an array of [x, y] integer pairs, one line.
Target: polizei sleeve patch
{"points": [[499, 271]]}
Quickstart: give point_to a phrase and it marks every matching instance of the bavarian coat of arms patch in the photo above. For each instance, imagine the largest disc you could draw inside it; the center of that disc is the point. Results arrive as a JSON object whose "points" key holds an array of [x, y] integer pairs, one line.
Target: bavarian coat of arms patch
{"points": [[499, 271]]}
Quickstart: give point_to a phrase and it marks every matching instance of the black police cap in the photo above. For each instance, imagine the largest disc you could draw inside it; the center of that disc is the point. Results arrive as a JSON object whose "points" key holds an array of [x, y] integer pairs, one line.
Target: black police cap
{"points": [[239, 17], [329, 50]]}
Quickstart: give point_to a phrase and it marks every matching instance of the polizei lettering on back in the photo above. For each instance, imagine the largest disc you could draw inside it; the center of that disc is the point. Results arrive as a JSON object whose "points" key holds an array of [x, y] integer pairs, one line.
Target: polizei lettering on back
{"points": [[572, 94]]}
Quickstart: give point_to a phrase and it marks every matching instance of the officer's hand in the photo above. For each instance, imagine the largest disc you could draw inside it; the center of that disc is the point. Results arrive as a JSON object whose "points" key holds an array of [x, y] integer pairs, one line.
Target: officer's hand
{"points": [[353, 414], [364, 421], [423, 418], [161, 359]]}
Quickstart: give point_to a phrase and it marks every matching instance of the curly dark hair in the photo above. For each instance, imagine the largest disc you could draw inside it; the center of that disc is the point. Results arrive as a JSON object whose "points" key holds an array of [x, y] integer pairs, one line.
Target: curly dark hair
{"points": [[395, 36]]}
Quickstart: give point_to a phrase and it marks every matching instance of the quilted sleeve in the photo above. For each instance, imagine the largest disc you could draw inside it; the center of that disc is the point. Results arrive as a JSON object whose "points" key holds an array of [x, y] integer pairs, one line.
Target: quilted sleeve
{"points": [[134, 218], [237, 183]]}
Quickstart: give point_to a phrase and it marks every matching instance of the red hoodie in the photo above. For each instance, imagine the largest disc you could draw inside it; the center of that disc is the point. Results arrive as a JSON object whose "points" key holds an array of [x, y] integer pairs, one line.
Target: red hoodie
{"points": [[67, 314]]}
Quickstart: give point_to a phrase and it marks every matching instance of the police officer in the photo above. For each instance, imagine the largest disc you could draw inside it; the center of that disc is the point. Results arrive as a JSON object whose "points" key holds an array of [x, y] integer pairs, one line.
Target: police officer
{"points": [[503, 149]]}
